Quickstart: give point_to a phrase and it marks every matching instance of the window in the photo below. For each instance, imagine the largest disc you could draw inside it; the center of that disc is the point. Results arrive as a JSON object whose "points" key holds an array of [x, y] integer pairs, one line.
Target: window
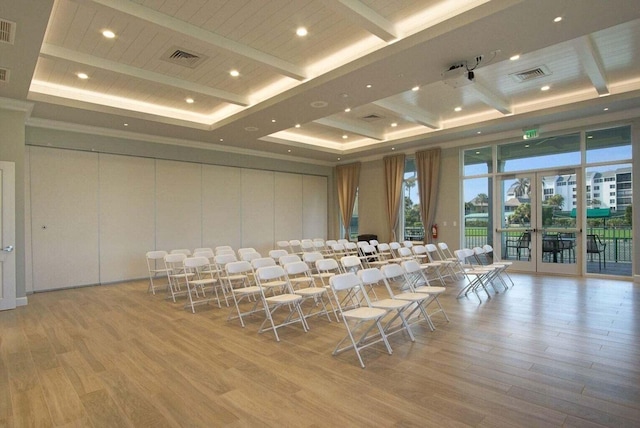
{"points": [[600, 142], [612, 186], [612, 201], [596, 195], [412, 228], [612, 193], [596, 187], [562, 150]]}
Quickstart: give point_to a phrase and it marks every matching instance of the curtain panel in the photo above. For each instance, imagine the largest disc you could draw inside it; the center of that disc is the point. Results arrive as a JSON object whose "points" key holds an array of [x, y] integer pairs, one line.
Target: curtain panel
{"points": [[428, 175], [393, 178], [347, 177]]}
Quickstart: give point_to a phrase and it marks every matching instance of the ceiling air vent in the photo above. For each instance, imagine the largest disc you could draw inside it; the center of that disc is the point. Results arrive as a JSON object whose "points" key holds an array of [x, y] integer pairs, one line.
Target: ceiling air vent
{"points": [[533, 73], [371, 117], [7, 31], [4, 75], [183, 57]]}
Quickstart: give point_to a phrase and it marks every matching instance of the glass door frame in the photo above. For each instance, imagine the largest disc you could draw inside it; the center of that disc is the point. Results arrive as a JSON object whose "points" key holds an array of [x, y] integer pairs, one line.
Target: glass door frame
{"points": [[535, 261]]}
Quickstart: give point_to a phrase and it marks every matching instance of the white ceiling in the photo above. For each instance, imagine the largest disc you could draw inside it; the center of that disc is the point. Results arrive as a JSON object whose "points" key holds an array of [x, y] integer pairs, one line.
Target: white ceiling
{"points": [[592, 57]]}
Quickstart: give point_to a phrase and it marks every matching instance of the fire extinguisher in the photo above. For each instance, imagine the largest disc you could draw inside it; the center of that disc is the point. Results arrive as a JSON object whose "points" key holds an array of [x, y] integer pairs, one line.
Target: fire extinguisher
{"points": [[434, 231]]}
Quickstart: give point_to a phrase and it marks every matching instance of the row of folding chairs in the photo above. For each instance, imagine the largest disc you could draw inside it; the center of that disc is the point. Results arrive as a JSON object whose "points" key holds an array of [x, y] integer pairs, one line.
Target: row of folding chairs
{"points": [[483, 272]]}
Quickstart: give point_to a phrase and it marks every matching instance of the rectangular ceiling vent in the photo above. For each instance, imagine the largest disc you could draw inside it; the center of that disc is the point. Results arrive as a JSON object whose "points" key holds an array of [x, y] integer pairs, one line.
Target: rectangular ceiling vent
{"points": [[533, 73], [371, 117], [183, 57], [4, 75], [7, 31]]}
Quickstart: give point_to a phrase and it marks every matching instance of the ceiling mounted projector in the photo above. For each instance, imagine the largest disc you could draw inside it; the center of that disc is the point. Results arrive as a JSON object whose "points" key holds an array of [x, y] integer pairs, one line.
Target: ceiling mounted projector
{"points": [[458, 76]]}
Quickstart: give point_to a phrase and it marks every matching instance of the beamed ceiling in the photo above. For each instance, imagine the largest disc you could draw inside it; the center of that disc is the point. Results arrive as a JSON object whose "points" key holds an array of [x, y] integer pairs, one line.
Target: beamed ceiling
{"points": [[367, 78]]}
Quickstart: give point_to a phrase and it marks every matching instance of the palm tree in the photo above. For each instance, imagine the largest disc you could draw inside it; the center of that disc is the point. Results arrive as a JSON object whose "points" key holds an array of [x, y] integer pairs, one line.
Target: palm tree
{"points": [[522, 187]]}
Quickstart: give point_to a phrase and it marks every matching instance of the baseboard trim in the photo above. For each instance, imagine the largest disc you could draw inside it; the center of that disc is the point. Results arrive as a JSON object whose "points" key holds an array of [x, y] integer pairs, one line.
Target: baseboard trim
{"points": [[21, 301]]}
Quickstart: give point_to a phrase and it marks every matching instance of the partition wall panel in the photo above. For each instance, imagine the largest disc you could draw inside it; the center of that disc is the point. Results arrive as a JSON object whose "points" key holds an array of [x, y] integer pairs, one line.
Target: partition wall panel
{"points": [[221, 206], [127, 216], [314, 206], [178, 205], [64, 218], [258, 209], [288, 207]]}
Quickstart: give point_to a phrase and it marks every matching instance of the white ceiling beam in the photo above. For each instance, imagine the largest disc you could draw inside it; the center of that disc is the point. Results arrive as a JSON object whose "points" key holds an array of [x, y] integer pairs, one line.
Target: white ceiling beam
{"points": [[56, 52], [592, 63], [363, 130], [365, 17], [410, 112], [488, 97], [185, 29]]}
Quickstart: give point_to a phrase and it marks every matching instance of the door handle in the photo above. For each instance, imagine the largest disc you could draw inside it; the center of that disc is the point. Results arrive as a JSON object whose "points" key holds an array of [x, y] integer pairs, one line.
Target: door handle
{"points": [[8, 248]]}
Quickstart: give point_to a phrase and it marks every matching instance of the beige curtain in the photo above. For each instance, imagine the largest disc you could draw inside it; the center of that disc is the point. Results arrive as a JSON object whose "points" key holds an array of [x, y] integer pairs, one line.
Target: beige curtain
{"points": [[428, 169], [393, 178], [347, 177]]}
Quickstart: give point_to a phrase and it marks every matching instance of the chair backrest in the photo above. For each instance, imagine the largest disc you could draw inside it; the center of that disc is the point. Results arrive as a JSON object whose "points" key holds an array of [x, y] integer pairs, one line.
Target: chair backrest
{"points": [[297, 268], [234, 268], [405, 252], [327, 265], [411, 266], [374, 242], [283, 245], [250, 255], [462, 254], [268, 273], [289, 258], [276, 254], [221, 251], [306, 245], [295, 245], [368, 249], [370, 276], [319, 245], [383, 247], [351, 247], [351, 263], [222, 259], [311, 258], [345, 281], [241, 251], [263, 262], [419, 250], [593, 244], [394, 274], [184, 251], [175, 258], [195, 262], [156, 255], [199, 250], [329, 242], [407, 244], [342, 241], [204, 253], [524, 240]]}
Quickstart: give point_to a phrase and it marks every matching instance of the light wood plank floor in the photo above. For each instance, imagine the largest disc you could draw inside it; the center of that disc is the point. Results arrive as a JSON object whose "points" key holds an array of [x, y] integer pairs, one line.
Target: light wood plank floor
{"points": [[548, 352]]}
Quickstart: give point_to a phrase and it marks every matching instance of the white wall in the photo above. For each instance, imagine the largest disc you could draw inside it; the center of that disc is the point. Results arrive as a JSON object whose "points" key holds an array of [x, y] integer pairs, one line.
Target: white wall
{"points": [[93, 216]]}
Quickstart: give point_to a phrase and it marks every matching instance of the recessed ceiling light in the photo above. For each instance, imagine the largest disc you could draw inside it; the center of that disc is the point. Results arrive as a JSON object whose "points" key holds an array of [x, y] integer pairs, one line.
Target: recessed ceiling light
{"points": [[345, 136], [297, 125], [234, 73], [338, 158], [458, 109], [347, 110], [394, 124], [515, 58], [189, 100], [289, 151], [108, 34], [545, 88], [369, 85], [126, 124], [479, 132], [477, 153], [606, 109], [526, 145], [82, 75], [393, 148], [589, 136], [319, 104], [273, 120], [221, 139], [557, 19], [301, 31], [415, 88]]}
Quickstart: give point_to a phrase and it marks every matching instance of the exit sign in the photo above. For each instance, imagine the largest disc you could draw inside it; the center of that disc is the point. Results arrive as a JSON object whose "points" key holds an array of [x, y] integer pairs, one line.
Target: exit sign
{"points": [[530, 133]]}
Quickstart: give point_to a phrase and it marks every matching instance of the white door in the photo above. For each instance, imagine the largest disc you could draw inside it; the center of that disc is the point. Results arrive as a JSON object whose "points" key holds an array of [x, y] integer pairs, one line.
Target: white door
{"points": [[7, 236]]}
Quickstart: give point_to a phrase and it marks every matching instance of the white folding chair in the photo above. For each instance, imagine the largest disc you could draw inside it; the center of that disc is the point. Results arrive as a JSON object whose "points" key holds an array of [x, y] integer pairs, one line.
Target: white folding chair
{"points": [[273, 287], [359, 321], [488, 249], [326, 268], [174, 264], [289, 258], [236, 275], [399, 287], [372, 277], [303, 284], [311, 258], [198, 283], [419, 283], [285, 300], [431, 269], [185, 251], [277, 253], [370, 257], [477, 276], [156, 268]]}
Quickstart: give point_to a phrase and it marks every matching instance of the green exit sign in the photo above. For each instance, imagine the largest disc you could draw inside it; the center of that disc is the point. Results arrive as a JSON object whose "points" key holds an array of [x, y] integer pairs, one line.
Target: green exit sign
{"points": [[530, 133]]}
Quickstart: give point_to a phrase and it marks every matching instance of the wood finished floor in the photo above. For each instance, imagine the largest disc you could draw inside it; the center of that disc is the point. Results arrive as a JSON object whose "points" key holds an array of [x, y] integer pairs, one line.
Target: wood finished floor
{"points": [[548, 352]]}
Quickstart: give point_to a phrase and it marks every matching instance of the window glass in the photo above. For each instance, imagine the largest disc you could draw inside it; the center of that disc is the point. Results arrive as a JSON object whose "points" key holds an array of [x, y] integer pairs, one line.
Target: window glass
{"points": [[600, 143], [477, 212], [550, 152], [477, 161], [412, 228]]}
